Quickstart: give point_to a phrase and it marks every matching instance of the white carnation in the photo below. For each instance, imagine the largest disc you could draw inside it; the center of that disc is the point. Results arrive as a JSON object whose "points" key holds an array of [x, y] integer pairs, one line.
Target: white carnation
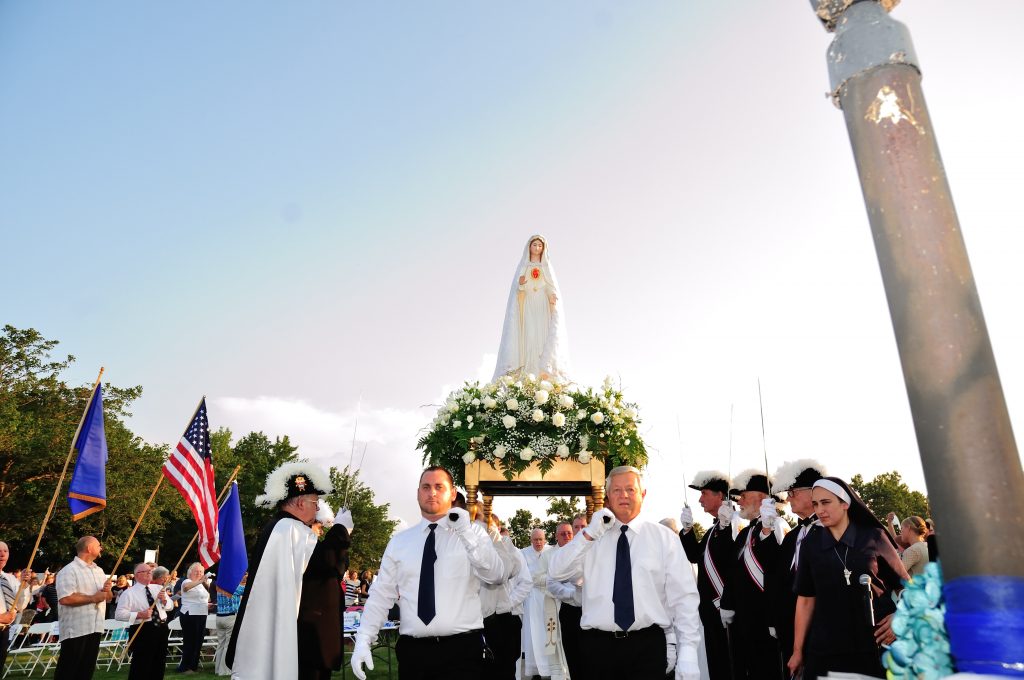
{"points": [[581, 414], [489, 403], [512, 404], [537, 415], [541, 396], [500, 451], [565, 401], [451, 405], [630, 413], [584, 457], [597, 418], [469, 458], [558, 420], [546, 386], [526, 454], [562, 451], [456, 424], [475, 402], [508, 421]]}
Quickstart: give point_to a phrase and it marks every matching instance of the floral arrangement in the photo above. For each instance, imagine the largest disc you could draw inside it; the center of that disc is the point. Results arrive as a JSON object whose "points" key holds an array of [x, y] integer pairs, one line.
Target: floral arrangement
{"points": [[921, 649], [514, 421]]}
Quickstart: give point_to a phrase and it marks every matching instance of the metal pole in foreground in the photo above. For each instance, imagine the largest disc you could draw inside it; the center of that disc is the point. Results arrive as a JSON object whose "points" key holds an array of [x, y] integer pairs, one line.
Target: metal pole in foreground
{"points": [[967, 448]]}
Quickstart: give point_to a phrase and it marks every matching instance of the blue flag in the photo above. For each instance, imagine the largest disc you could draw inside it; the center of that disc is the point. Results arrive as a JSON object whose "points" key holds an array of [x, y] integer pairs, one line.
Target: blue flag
{"points": [[88, 491], [233, 560]]}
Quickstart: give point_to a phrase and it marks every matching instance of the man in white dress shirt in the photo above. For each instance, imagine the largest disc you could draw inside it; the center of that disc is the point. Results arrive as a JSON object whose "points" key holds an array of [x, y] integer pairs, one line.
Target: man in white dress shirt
{"points": [[503, 608], [540, 635], [83, 591], [146, 604], [649, 625], [437, 567]]}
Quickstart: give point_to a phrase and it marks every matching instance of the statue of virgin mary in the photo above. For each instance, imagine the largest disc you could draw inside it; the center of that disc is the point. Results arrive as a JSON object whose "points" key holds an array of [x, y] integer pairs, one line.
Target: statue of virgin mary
{"points": [[533, 339]]}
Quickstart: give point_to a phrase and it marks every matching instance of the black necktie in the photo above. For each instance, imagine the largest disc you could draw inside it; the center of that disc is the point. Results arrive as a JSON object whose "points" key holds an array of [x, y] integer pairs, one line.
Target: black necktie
{"points": [[8, 591], [425, 608], [622, 591]]}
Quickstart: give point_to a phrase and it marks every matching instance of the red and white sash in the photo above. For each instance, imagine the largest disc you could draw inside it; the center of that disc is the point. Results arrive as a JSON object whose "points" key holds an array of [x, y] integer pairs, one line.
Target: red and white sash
{"points": [[754, 567], [712, 571]]}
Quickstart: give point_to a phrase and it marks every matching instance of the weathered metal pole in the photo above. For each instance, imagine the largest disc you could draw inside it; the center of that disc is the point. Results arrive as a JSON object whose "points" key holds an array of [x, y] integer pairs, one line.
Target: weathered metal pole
{"points": [[971, 465]]}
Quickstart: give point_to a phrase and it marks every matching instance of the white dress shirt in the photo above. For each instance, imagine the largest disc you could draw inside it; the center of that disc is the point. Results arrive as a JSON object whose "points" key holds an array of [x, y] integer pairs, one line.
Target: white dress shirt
{"points": [[133, 600], [85, 578], [195, 600], [508, 596], [462, 563], [664, 589], [567, 592], [26, 594]]}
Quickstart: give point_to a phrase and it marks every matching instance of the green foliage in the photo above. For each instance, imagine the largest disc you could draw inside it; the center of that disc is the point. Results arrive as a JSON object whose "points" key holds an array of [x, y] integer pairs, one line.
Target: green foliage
{"points": [[887, 493], [520, 526], [560, 509], [373, 529]]}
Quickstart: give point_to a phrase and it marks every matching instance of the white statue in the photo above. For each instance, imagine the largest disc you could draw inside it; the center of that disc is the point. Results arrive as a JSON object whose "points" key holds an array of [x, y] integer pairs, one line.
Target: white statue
{"points": [[533, 339]]}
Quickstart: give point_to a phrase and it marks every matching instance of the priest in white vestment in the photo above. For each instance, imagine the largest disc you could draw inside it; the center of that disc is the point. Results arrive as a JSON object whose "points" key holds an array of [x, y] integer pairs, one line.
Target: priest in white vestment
{"points": [[541, 643]]}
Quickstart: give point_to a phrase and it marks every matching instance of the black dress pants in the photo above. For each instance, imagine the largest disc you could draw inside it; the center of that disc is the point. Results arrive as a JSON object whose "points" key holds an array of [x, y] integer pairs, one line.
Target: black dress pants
{"points": [[569, 620], [193, 632], [820, 665], [637, 655], [716, 643], [755, 653], [453, 657], [149, 652], [503, 633], [77, 659]]}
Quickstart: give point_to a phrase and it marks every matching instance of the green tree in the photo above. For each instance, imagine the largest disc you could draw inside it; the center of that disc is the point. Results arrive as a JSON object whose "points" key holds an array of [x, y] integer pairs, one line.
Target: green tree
{"points": [[39, 413], [520, 526], [560, 509], [373, 529], [887, 493]]}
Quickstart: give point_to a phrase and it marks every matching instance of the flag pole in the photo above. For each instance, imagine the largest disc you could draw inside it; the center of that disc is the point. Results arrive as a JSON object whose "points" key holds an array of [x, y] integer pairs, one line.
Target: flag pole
{"points": [[56, 491], [145, 509], [223, 492]]}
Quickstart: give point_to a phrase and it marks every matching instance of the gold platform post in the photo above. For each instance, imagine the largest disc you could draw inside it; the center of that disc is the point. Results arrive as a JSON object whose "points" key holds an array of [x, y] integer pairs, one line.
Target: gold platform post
{"points": [[471, 504], [488, 499]]}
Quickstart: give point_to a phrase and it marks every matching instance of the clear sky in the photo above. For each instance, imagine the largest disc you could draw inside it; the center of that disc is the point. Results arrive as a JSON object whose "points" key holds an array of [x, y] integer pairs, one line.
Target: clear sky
{"points": [[300, 209]]}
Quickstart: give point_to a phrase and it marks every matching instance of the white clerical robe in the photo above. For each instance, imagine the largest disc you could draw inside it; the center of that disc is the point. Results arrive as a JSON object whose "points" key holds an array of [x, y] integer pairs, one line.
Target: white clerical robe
{"points": [[268, 638], [542, 643]]}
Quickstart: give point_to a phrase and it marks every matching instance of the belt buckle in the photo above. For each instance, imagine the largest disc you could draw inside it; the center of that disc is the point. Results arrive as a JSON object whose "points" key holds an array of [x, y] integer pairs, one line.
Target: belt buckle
{"points": [[620, 634]]}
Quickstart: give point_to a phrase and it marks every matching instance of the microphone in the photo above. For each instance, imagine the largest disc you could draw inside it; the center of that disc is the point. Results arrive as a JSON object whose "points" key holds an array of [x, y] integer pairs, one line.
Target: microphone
{"points": [[869, 604]]}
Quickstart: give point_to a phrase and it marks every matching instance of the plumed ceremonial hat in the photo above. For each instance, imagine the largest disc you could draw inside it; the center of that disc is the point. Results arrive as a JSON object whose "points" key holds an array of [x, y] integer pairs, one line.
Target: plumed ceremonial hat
{"points": [[712, 480], [751, 480], [798, 474], [294, 479]]}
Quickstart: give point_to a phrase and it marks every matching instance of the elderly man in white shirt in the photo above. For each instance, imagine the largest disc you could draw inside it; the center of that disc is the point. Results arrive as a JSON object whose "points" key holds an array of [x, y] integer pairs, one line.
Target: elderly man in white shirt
{"points": [[437, 566], [649, 625], [146, 604], [83, 591]]}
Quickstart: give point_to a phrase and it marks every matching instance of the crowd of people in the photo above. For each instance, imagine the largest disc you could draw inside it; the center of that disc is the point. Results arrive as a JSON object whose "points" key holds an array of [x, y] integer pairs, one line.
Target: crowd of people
{"points": [[615, 596]]}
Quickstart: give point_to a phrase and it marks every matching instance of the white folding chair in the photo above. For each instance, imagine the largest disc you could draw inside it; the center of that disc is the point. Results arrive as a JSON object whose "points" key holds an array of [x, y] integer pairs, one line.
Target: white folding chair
{"points": [[25, 656], [174, 642], [115, 639]]}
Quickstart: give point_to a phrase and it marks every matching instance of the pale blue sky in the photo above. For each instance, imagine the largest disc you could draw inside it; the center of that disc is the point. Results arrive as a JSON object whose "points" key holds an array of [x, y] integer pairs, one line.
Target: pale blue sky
{"points": [[287, 206]]}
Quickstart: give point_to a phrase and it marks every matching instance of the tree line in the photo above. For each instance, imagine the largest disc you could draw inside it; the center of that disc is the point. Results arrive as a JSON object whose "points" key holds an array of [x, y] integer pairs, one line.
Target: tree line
{"points": [[39, 412]]}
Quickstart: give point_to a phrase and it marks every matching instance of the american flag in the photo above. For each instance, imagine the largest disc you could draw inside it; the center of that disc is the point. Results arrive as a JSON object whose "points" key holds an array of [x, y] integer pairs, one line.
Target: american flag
{"points": [[190, 470]]}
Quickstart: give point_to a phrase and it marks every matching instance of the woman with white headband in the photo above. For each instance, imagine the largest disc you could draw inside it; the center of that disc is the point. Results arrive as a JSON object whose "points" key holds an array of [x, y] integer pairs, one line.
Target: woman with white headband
{"points": [[833, 629]]}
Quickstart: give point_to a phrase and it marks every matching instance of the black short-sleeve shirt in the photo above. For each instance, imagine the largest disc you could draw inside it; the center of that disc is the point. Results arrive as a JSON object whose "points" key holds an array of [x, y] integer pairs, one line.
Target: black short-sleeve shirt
{"points": [[839, 624]]}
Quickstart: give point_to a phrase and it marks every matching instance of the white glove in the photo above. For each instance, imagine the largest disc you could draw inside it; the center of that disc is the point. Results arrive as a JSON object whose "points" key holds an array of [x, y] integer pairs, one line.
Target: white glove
{"points": [[725, 513], [686, 665], [457, 520], [361, 656], [769, 514], [686, 520], [344, 518], [772, 632], [727, 616], [599, 523], [324, 514], [670, 654]]}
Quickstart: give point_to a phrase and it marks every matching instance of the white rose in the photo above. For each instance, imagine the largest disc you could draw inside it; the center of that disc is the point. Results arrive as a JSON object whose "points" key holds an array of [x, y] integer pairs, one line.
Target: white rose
{"points": [[584, 457], [630, 413], [597, 418], [490, 403], [469, 418], [562, 451], [526, 454], [500, 451], [456, 424], [565, 401], [626, 443], [581, 414], [475, 402], [558, 420], [451, 405], [541, 396], [470, 426], [469, 458], [508, 421], [537, 415], [512, 404], [531, 377], [614, 410], [546, 386]]}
